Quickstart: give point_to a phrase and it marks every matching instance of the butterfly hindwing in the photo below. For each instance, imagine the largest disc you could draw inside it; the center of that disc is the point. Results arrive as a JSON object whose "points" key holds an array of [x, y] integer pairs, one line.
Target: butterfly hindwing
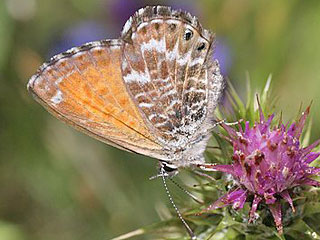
{"points": [[167, 56]]}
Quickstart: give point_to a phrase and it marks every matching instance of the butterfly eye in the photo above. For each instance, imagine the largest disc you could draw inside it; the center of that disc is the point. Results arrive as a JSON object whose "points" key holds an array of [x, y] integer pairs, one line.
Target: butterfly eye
{"points": [[201, 46], [188, 34]]}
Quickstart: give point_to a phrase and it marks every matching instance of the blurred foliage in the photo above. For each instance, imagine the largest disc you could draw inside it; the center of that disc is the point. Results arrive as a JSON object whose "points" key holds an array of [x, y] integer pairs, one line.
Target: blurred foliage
{"points": [[59, 184]]}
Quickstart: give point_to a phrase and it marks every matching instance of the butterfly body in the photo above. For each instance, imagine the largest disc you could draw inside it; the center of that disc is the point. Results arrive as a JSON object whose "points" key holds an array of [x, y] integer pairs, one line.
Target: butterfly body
{"points": [[152, 91]]}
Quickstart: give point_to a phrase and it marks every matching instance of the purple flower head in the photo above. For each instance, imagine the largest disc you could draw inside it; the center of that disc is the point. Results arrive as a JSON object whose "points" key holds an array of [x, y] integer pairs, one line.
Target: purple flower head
{"points": [[267, 163]]}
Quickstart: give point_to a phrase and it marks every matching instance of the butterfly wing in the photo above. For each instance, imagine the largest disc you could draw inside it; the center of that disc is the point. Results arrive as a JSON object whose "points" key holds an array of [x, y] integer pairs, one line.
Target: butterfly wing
{"points": [[84, 87], [169, 73]]}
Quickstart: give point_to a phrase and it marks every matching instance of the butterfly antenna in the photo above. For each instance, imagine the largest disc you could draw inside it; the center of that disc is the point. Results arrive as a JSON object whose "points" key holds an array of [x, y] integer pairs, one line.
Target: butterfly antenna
{"points": [[190, 232], [186, 191]]}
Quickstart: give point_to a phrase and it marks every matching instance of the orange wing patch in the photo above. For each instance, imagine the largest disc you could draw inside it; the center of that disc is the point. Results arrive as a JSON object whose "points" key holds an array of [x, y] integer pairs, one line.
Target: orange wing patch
{"points": [[86, 90]]}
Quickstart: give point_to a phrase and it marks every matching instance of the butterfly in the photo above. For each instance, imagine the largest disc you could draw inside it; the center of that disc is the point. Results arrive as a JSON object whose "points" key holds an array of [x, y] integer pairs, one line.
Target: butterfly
{"points": [[153, 91]]}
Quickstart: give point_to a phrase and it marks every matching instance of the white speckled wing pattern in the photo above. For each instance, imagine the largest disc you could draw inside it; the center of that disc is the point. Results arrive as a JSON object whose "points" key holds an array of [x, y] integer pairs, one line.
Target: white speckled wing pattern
{"points": [[168, 69]]}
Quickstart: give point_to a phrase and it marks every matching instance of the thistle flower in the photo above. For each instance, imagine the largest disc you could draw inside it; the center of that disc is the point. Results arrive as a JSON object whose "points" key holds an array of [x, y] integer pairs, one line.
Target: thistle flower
{"points": [[268, 162]]}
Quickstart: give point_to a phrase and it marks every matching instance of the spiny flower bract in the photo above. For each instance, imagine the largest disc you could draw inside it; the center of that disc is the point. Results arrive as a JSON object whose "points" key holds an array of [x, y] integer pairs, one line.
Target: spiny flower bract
{"points": [[267, 162]]}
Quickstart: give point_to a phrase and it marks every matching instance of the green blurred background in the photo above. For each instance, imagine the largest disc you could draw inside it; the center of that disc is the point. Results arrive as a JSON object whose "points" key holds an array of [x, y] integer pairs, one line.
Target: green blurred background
{"points": [[56, 183]]}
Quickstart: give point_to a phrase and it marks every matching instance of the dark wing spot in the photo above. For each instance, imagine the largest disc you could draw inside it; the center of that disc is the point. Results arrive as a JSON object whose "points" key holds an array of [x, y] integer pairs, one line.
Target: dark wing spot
{"points": [[144, 30], [155, 10], [199, 115], [201, 46], [178, 114], [172, 27], [188, 34]]}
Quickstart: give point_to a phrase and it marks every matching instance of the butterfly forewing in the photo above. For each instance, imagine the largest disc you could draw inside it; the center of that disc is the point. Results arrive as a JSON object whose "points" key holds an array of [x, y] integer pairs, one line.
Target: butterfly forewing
{"points": [[84, 87]]}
